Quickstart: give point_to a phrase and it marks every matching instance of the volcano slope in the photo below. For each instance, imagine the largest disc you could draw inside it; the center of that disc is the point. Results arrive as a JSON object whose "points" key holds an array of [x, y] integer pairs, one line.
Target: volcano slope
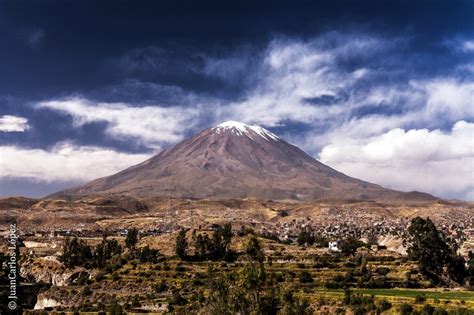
{"points": [[235, 160]]}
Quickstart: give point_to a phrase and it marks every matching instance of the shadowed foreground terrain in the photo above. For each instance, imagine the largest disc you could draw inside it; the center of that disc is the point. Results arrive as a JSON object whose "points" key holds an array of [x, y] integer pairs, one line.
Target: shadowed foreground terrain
{"points": [[151, 276]]}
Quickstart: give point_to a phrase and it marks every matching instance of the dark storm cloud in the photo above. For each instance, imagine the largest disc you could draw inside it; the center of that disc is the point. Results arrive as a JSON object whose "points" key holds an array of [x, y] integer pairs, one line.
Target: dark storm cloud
{"points": [[83, 35]]}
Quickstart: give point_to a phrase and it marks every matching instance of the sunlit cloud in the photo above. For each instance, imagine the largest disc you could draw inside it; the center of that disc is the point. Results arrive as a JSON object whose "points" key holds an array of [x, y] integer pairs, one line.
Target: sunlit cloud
{"points": [[150, 125], [418, 159], [10, 123], [64, 162]]}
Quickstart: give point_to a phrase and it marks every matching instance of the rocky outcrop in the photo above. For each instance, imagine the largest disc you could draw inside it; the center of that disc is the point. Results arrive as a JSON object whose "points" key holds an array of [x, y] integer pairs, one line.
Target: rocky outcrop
{"points": [[393, 243], [44, 302], [50, 271]]}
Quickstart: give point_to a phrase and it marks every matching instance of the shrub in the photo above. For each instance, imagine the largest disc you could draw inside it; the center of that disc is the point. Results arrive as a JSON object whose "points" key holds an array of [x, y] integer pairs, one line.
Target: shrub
{"points": [[385, 305], [440, 311], [160, 287], [333, 285], [136, 301], [115, 277], [339, 278], [405, 309], [86, 290], [305, 277], [420, 299], [427, 309]]}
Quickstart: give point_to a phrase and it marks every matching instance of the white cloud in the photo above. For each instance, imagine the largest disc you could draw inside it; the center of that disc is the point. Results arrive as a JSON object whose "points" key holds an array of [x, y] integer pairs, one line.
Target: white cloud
{"points": [[151, 125], [9, 123], [468, 45], [64, 162], [449, 99], [422, 104], [291, 73], [438, 162]]}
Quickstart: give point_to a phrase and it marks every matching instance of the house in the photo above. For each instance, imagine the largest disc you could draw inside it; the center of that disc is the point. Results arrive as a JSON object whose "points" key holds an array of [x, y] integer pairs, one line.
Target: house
{"points": [[333, 246]]}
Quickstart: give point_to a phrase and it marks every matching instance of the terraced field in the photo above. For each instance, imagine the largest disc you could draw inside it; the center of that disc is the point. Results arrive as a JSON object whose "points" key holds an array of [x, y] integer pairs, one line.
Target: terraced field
{"points": [[309, 273]]}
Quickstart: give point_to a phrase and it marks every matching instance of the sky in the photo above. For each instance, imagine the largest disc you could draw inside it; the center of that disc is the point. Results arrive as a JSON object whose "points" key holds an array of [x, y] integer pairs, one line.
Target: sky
{"points": [[380, 90]]}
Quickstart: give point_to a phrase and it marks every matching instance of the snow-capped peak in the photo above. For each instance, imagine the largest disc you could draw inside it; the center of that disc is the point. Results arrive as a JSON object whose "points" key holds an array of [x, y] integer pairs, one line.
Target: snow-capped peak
{"points": [[241, 129]]}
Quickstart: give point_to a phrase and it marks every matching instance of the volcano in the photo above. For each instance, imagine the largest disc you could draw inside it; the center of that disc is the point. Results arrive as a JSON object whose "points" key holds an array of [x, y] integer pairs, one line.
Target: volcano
{"points": [[235, 160]]}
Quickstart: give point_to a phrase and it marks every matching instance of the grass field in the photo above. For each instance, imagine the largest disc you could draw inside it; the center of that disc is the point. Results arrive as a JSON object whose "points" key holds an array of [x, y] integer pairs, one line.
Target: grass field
{"points": [[442, 295], [404, 293]]}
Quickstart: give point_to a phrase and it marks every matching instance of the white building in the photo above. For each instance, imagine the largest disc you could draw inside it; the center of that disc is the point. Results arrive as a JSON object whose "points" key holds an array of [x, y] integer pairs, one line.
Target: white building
{"points": [[333, 246]]}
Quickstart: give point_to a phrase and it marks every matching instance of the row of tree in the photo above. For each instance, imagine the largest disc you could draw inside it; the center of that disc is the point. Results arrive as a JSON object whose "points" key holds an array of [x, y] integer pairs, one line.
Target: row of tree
{"points": [[215, 247], [77, 252]]}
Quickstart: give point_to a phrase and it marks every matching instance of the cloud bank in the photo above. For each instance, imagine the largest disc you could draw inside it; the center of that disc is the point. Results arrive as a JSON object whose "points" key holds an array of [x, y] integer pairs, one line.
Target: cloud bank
{"points": [[64, 162], [153, 125], [417, 159]]}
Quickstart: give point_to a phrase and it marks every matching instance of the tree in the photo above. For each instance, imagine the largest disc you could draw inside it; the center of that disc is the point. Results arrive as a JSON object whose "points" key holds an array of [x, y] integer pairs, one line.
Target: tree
{"points": [[216, 248], [254, 277], [306, 236], [226, 237], [115, 308], [181, 244], [405, 309], [456, 268], [201, 246], [433, 252], [76, 253], [254, 250], [305, 277], [106, 250], [372, 238], [470, 268], [132, 238], [294, 306], [218, 300], [148, 255], [320, 240], [349, 245]]}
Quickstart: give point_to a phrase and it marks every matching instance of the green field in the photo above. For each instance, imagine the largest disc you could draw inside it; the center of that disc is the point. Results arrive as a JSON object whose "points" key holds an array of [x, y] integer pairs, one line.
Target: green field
{"points": [[404, 293]]}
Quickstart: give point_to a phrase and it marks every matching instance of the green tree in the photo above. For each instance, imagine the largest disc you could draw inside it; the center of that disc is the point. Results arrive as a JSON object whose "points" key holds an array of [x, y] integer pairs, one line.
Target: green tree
{"points": [[306, 237], [372, 238], [218, 300], [148, 255], [201, 246], [305, 277], [115, 308], [226, 237], [320, 240], [253, 250], [216, 248], [433, 252], [405, 309], [132, 238], [294, 306], [349, 245], [76, 253], [181, 244], [470, 268], [106, 250]]}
